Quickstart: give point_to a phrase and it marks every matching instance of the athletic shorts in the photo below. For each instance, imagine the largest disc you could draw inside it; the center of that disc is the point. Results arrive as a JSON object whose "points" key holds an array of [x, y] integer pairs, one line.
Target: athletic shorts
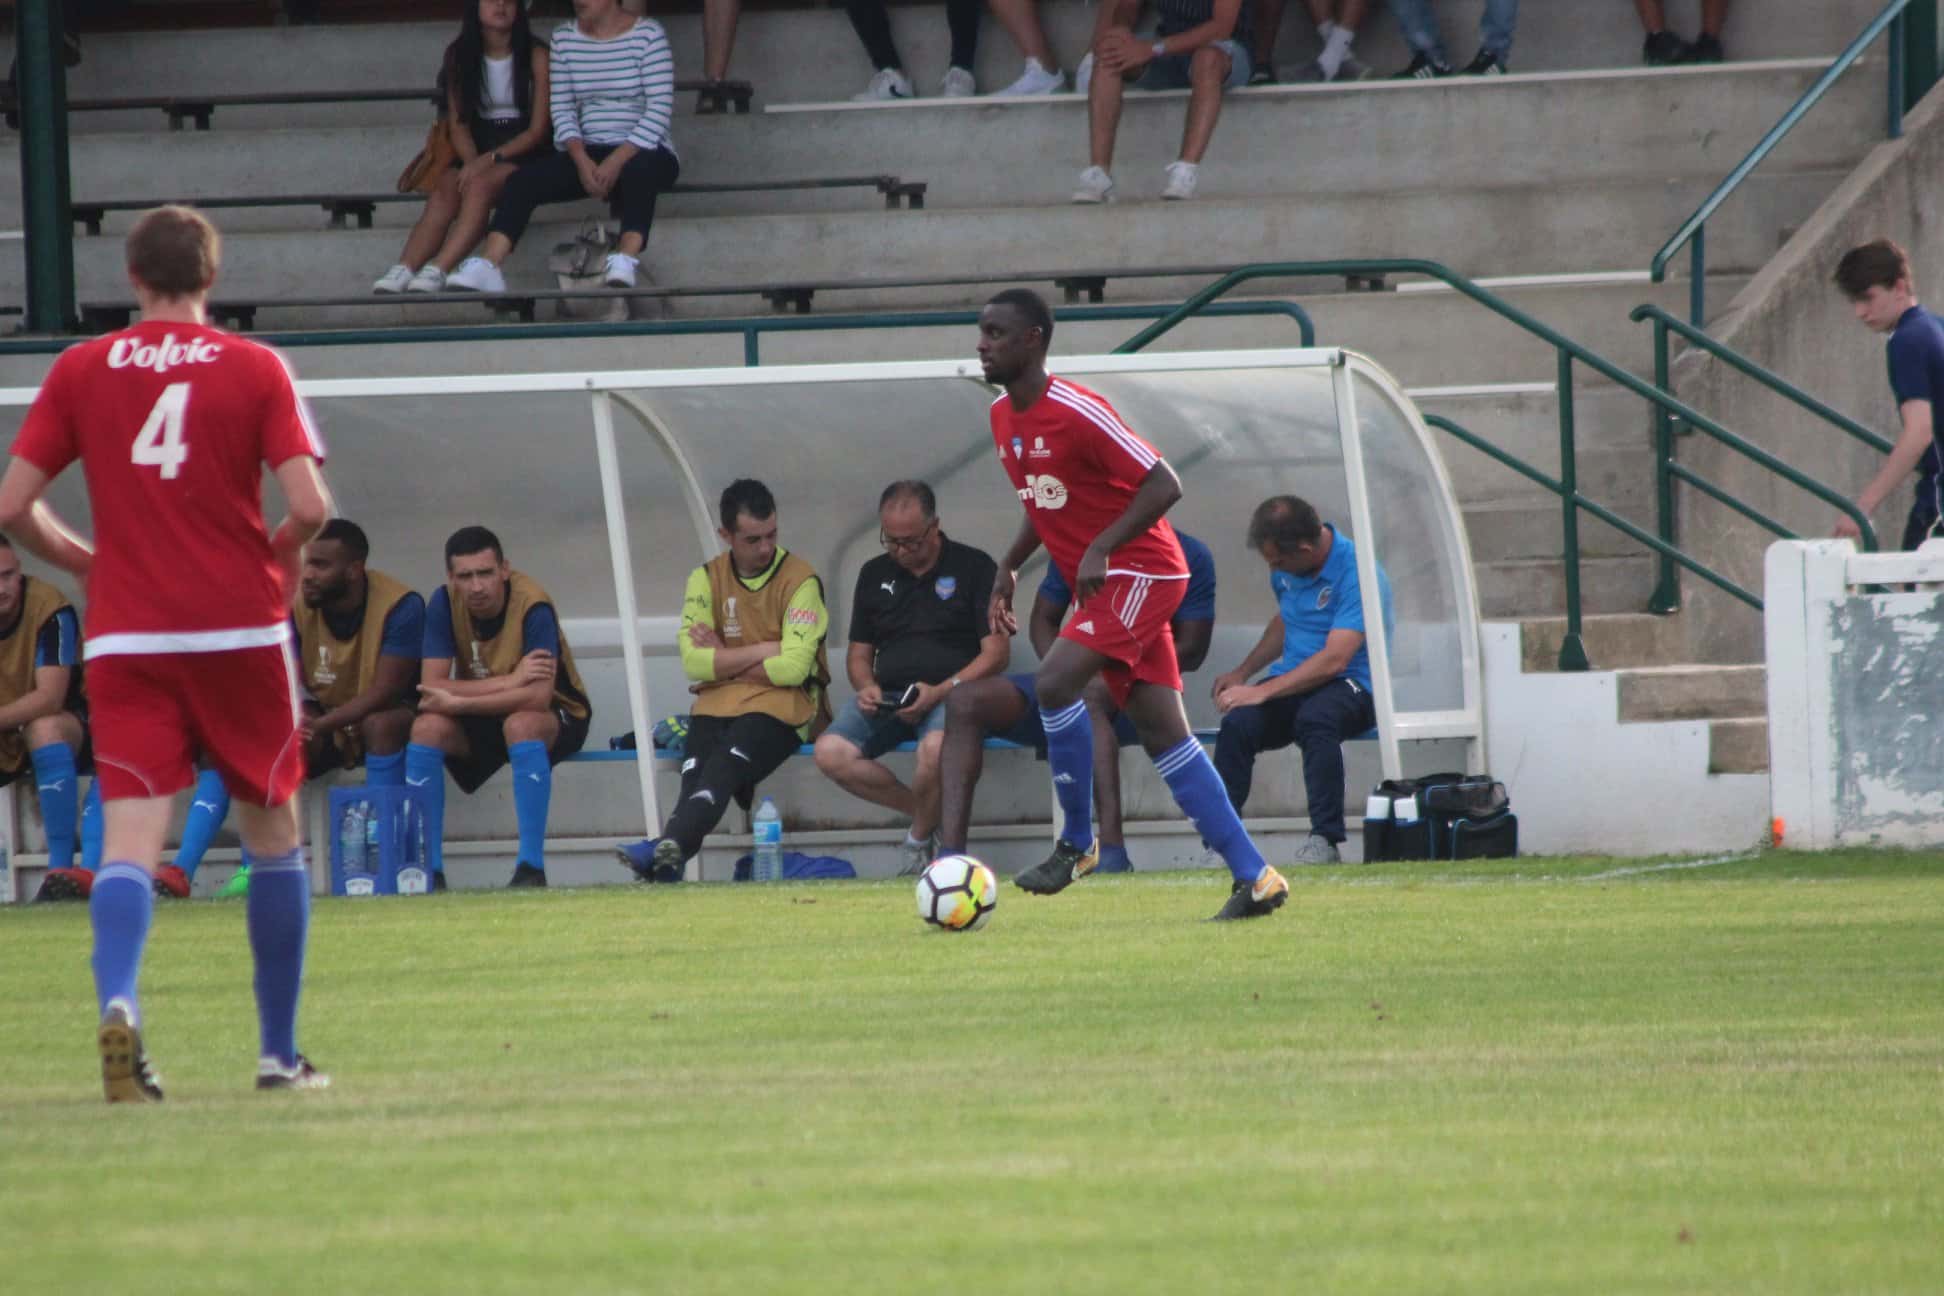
{"points": [[1028, 731], [154, 713], [1127, 622], [16, 762], [877, 732], [1170, 71], [486, 747]]}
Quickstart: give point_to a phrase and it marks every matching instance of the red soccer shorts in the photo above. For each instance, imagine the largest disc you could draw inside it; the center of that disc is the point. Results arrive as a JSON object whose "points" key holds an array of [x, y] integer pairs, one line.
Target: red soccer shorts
{"points": [[153, 715], [1127, 622]]}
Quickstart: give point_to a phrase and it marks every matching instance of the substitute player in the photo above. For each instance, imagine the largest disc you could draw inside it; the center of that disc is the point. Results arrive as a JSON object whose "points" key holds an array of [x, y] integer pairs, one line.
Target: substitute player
{"points": [[187, 624], [1095, 495], [43, 718]]}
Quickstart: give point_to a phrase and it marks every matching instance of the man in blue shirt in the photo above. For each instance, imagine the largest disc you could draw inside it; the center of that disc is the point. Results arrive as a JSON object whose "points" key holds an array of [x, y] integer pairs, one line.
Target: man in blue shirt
{"points": [[1876, 279], [1007, 707], [1317, 693]]}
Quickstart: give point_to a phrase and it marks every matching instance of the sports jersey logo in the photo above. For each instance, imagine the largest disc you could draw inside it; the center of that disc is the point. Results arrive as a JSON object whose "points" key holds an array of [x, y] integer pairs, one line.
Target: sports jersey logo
{"points": [[1039, 449], [801, 617], [1019, 448], [1085, 627], [325, 676], [947, 586], [1323, 598], [477, 668], [731, 627], [1049, 492], [161, 356]]}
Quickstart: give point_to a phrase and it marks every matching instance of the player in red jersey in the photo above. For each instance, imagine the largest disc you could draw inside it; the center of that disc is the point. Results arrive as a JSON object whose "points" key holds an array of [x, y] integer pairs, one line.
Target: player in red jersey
{"points": [[187, 640], [1096, 495]]}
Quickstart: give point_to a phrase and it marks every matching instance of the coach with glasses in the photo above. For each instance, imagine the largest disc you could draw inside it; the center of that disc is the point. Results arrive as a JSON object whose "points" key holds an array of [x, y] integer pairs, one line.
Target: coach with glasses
{"points": [[918, 630]]}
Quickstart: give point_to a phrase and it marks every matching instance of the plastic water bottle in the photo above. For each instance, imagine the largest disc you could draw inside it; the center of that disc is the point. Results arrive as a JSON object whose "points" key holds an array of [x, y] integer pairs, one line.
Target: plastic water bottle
{"points": [[373, 862], [412, 877], [358, 880], [769, 843]]}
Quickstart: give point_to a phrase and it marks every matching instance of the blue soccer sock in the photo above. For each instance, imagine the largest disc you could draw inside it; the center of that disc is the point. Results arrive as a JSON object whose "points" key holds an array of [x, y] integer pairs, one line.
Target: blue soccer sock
{"points": [[279, 919], [60, 800], [425, 770], [532, 792], [1198, 790], [1113, 859], [1069, 753], [385, 771], [208, 807], [91, 828], [119, 908]]}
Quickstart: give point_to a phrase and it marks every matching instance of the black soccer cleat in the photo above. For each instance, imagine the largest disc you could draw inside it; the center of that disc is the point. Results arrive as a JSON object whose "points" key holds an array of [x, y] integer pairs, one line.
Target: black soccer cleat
{"points": [[1060, 870], [272, 1074], [126, 1076], [1256, 899], [438, 880], [525, 875]]}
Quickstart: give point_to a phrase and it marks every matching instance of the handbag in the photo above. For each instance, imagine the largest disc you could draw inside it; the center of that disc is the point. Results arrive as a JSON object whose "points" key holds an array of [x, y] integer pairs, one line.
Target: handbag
{"points": [[422, 173]]}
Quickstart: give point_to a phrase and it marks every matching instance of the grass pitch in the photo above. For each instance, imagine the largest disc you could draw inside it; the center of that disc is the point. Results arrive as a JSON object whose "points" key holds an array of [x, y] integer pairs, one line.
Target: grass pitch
{"points": [[1525, 1076]]}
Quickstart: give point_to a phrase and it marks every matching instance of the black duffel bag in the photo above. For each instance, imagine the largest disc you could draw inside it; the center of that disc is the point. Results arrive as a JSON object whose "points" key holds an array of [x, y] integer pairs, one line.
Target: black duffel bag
{"points": [[1440, 816]]}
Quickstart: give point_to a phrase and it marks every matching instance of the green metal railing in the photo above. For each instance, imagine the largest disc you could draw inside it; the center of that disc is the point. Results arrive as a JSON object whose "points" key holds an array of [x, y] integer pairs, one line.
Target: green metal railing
{"points": [[1572, 651], [1667, 590], [1913, 69]]}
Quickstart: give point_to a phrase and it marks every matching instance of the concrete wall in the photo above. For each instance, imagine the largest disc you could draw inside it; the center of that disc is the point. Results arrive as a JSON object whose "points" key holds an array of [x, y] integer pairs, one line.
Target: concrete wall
{"points": [[1791, 319]]}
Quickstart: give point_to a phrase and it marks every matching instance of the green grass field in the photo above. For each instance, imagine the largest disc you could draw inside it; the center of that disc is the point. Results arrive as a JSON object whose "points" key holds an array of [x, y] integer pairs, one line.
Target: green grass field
{"points": [[1525, 1076]]}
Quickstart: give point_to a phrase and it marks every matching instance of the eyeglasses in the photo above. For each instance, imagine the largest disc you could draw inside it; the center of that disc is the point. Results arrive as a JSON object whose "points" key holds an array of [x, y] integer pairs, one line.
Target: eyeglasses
{"points": [[898, 544]]}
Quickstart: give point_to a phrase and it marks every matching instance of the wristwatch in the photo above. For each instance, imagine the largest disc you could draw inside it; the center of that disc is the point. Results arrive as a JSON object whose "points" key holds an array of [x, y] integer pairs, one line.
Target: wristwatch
{"points": [[1159, 49]]}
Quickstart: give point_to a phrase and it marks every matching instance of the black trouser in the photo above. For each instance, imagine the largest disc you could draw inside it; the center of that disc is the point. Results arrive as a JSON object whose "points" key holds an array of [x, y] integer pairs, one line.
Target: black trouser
{"points": [[1318, 722], [726, 757], [1923, 515], [553, 178], [873, 26]]}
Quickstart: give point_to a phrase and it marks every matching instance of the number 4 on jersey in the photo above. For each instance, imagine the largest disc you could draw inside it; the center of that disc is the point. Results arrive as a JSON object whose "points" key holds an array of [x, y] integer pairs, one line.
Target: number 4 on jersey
{"points": [[160, 443]]}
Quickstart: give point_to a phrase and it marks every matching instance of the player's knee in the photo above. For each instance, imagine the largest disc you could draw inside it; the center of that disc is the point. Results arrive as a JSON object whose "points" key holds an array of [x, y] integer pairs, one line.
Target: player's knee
{"points": [[530, 726], [385, 732], [1208, 64], [929, 747], [46, 730], [833, 754], [433, 730], [1102, 38], [1056, 692]]}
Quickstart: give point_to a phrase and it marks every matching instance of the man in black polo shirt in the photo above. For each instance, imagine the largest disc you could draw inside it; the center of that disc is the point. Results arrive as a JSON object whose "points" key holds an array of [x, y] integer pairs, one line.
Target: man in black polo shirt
{"points": [[918, 630]]}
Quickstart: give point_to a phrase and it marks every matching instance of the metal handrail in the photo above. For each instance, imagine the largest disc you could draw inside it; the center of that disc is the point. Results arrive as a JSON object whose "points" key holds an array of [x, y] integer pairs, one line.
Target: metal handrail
{"points": [[1667, 588], [1693, 231], [1572, 651]]}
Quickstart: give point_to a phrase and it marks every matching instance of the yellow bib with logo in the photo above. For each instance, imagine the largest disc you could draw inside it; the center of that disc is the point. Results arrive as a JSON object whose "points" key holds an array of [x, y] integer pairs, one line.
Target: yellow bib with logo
{"points": [[337, 670], [748, 616], [486, 658]]}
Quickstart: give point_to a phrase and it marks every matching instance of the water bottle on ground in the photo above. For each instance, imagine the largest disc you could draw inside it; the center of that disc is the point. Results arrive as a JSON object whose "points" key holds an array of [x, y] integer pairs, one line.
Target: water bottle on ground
{"points": [[769, 843], [412, 877], [358, 879]]}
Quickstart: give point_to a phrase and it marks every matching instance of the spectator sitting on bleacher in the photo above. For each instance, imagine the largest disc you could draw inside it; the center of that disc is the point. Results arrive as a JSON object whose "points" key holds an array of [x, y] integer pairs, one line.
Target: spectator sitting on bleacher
{"points": [[1428, 59], [1007, 707], [495, 80], [1194, 48], [752, 642], [872, 24], [1317, 693], [613, 95], [513, 698], [1337, 22], [719, 21], [918, 627], [1662, 47]]}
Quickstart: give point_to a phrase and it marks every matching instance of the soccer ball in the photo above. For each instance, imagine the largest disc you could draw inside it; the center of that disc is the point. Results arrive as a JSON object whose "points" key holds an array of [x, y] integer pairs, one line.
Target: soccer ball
{"points": [[957, 893]]}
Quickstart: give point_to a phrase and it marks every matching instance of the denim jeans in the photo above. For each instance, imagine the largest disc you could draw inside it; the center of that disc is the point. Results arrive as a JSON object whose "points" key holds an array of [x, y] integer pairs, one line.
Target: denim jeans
{"points": [[1421, 27]]}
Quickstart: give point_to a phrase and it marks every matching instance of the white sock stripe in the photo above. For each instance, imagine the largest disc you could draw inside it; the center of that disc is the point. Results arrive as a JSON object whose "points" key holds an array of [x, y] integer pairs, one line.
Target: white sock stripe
{"points": [[1181, 754], [276, 864], [123, 872], [1052, 721]]}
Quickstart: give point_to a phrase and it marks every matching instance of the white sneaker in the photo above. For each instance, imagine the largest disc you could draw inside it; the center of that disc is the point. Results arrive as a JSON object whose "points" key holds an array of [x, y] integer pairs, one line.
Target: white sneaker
{"points": [[886, 83], [393, 280], [477, 274], [1095, 186], [958, 84], [1083, 75], [620, 271], [430, 279], [1182, 179], [1036, 79]]}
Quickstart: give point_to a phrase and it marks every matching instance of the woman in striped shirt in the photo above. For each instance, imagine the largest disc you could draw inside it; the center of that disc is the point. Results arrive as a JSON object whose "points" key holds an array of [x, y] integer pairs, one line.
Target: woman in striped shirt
{"points": [[613, 94]]}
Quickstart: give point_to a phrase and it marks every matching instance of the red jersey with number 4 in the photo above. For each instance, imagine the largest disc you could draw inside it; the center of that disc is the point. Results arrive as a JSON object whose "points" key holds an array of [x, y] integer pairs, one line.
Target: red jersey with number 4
{"points": [[1076, 467], [173, 424]]}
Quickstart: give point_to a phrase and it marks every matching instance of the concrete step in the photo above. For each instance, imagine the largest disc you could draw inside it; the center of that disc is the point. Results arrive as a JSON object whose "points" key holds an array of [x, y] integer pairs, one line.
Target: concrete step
{"points": [[1613, 642], [1660, 127], [1738, 746], [1693, 693], [1509, 532], [812, 53], [1530, 587]]}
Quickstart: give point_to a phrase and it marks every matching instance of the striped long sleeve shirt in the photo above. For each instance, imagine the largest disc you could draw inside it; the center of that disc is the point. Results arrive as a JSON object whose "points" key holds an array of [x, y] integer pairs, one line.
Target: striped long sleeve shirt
{"points": [[613, 91]]}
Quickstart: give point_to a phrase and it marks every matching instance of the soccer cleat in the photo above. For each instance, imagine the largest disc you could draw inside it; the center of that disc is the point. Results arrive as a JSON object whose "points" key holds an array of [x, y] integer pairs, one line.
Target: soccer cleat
{"points": [[1037, 79], [393, 280], [171, 883], [886, 84], [1256, 899], [237, 887], [659, 860], [1183, 179], [525, 875], [914, 856], [125, 1072], [957, 84], [1486, 63], [1317, 850], [620, 271], [438, 881], [1425, 67], [64, 884], [1094, 186], [1060, 870], [272, 1074], [477, 274], [429, 279]]}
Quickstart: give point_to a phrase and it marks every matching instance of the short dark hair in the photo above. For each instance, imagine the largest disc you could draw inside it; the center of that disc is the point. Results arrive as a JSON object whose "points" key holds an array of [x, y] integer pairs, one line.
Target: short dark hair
{"points": [[746, 495], [1032, 306], [470, 540], [1286, 522], [174, 251], [352, 537], [1876, 264], [910, 488]]}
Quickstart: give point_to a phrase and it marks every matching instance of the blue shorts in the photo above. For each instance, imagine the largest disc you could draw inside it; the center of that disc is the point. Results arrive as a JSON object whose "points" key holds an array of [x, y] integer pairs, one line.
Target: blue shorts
{"points": [[1170, 71], [877, 732], [1028, 732]]}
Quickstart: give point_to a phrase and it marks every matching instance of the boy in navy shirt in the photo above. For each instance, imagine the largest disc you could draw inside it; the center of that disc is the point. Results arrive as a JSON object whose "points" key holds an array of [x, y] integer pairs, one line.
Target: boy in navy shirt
{"points": [[1876, 279]]}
